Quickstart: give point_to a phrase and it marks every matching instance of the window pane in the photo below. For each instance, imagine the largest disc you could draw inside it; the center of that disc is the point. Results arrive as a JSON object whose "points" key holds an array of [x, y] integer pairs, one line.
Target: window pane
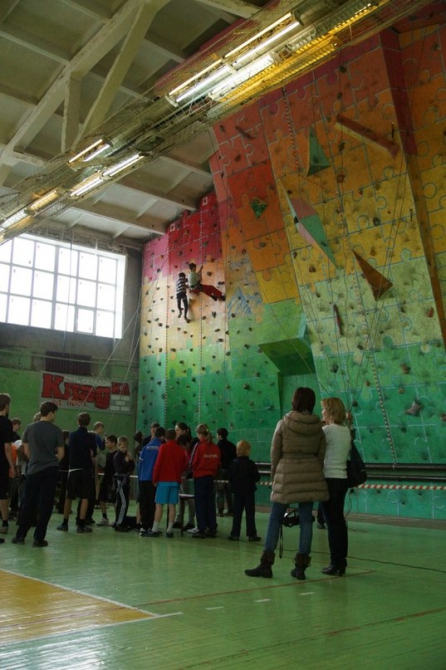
{"points": [[85, 321], [3, 303], [105, 322], [41, 313], [64, 318], [21, 281], [86, 293], [88, 265], [43, 285], [4, 277], [5, 252], [107, 270], [23, 252], [106, 296], [19, 310], [68, 262], [66, 289], [45, 257]]}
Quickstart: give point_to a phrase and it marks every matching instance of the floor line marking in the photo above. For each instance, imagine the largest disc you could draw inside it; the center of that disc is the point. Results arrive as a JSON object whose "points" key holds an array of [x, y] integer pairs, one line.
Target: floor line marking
{"points": [[215, 608], [81, 593], [265, 600], [264, 587]]}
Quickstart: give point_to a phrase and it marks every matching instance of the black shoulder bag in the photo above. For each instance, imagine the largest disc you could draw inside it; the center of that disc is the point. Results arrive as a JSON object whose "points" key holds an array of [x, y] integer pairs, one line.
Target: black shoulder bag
{"points": [[356, 472]]}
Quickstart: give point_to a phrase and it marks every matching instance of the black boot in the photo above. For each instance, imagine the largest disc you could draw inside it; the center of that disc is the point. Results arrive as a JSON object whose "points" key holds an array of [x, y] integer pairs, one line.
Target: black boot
{"points": [[335, 569], [301, 561], [264, 569]]}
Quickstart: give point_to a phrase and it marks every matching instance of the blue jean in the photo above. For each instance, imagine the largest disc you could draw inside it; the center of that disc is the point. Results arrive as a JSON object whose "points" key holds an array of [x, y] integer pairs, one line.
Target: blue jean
{"points": [[305, 524], [40, 489]]}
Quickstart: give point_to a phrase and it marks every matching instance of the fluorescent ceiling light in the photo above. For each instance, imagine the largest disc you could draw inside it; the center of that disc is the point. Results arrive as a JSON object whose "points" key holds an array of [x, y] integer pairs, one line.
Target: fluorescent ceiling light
{"points": [[259, 34], [15, 218], [85, 151], [44, 200], [241, 76], [91, 151], [114, 169], [87, 185], [266, 43], [195, 77], [204, 85]]}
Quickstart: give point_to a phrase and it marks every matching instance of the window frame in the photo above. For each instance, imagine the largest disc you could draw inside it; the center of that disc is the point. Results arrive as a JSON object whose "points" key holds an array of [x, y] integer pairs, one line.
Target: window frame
{"points": [[73, 278]]}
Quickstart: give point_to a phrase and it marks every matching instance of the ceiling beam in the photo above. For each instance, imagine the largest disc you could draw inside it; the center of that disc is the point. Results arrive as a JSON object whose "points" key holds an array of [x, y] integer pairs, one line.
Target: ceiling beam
{"points": [[201, 170], [6, 8], [111, 213], [135, 184], [142, 20], [89, 7], [35, 44], [236, 7], [104, 40]]}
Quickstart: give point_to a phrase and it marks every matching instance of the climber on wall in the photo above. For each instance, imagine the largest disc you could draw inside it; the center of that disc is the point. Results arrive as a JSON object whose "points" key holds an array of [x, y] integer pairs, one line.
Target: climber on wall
{"points": [[182, 302], [195, 285]]}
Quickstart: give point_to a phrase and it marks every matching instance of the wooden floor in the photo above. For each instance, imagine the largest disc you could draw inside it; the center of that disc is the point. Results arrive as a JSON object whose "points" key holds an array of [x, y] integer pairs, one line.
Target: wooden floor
{"points": [[117, 601]]}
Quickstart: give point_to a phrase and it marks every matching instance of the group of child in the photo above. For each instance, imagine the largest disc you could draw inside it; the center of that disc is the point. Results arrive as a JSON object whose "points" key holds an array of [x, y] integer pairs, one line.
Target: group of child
{"points": [[170, 459]]}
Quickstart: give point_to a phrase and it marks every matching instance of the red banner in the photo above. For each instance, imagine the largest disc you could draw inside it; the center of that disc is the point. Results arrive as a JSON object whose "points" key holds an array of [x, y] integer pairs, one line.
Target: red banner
{"points": [[70, 392]]}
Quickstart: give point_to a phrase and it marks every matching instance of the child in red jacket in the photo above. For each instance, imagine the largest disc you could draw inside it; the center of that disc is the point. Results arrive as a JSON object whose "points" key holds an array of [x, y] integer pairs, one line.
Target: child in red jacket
{"points": [[170, 464], [205, 465]]}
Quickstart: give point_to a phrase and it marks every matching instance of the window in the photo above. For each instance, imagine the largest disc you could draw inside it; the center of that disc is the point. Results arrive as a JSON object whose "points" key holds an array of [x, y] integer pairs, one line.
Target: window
{"points": [[62, 287]]}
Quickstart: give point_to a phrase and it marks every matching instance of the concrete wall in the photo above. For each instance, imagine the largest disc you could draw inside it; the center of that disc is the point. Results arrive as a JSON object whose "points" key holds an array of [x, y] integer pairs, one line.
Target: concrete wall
{"points": [[22, 360]]}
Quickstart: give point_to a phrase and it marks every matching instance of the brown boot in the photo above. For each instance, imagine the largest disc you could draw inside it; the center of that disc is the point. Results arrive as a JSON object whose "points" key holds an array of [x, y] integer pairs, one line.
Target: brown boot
{"points": [[301, 561], [264, 569]]}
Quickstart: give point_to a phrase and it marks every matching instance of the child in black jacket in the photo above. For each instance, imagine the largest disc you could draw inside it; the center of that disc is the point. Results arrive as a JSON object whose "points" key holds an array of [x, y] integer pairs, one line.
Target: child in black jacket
{"points": [[243, 476]]}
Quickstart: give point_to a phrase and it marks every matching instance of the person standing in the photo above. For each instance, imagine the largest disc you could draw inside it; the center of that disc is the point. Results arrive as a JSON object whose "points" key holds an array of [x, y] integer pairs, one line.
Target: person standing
{"points": [[205, 464], [44, 447], [80, 484], [7, 464], [338, 438], [228, 454], [243, 477], [297, 458]]}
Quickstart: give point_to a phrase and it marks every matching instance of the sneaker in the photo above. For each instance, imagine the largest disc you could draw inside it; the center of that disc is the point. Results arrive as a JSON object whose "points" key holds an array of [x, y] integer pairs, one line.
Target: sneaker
{"points": [[229, 512], [187, 527], [186, 319], [254, 538], [321, 525], [63, 526], [40, 543], [4, 530], [169, 535], [90, 522], [193, 531], [233, 538], [122, 529], [152, 533], [17, 540], [211, 533], [180, 313], [2, 539], [103, 522], [199, 536], [84, 529], [177, 524]]}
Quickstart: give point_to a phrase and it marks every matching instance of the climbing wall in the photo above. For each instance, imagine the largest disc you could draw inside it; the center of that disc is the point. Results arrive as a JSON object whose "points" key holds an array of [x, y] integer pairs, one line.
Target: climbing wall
{"points": [[329, 237]]}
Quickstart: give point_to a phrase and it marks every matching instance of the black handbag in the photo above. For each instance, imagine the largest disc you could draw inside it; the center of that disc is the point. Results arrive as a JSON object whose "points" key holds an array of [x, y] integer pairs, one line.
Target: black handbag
{"points": [[356, 471]]}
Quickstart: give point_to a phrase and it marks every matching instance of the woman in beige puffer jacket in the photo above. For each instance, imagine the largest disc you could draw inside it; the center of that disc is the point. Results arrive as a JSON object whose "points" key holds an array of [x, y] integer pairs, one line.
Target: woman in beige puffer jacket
{"points": [[297, 460]]}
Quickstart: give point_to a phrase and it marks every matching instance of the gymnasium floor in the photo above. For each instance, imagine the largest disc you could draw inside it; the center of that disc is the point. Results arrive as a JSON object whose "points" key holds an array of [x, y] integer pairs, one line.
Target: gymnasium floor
{"points": [[118, 601]]}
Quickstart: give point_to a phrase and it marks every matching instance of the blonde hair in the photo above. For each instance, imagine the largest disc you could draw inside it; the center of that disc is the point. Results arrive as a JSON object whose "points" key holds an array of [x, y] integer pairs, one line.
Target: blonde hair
{"points": [[243, 448], [335, 409], [203, 429]]}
